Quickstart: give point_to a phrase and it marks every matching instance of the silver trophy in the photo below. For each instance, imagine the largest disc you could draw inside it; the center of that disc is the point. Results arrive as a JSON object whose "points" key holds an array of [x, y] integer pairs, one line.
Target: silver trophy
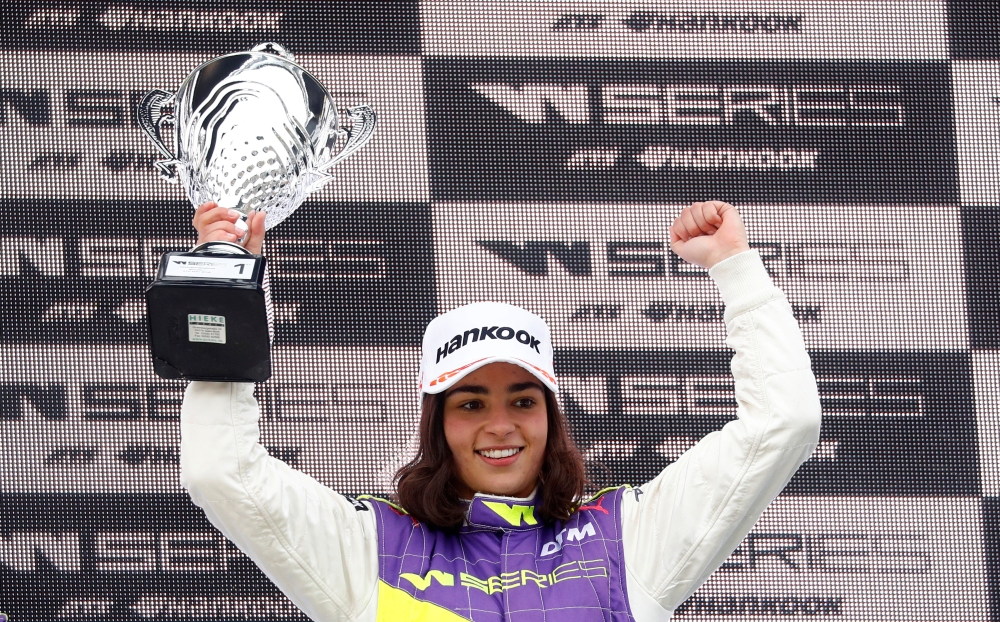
{"points": [[252, 131]]}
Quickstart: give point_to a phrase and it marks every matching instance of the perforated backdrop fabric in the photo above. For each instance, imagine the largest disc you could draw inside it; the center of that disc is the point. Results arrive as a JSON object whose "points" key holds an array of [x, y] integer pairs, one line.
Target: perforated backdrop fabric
{"points": [[533, 153]]}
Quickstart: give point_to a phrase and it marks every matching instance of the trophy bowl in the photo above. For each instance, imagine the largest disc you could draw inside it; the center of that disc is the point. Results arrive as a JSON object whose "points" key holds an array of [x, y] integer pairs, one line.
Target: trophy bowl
{"points": [[252, 131]]}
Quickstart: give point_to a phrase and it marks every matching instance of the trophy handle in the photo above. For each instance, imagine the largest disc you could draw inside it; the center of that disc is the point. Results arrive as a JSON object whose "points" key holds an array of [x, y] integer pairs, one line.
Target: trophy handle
{"points": [[150, 117], [362, 126], [274, 48]]}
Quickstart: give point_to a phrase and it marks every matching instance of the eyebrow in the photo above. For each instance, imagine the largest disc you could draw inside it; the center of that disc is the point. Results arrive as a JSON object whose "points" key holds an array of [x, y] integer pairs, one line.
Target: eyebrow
{"points": [[469, 388], [481, 390], [523, 386]]}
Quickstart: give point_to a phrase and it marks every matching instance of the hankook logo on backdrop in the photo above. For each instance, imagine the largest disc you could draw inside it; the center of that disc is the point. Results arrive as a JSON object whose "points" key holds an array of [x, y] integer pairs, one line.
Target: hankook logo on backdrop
{"points": [[714, 22], [762, 605], [117, 18], [127, 17], [601, 29], [158, 456], [216, 25], [709, 22]]}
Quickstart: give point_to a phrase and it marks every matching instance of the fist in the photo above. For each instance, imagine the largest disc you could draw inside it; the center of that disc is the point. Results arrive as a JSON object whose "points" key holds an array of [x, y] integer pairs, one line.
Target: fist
{"points": [[218, 224], [706, 233]]}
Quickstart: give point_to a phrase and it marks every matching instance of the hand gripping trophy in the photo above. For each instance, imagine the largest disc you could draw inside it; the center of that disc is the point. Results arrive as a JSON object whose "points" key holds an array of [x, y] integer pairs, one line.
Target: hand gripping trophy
{"points": [[252, 131]]}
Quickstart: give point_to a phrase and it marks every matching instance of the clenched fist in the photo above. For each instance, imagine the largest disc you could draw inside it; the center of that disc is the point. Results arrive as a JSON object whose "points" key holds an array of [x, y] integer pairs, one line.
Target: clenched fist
{"points": [[218, 224], [706, 233]]}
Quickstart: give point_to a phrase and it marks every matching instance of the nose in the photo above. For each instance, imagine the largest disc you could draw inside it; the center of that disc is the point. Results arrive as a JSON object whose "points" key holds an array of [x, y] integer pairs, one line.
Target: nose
{"points": [[500, 423]]}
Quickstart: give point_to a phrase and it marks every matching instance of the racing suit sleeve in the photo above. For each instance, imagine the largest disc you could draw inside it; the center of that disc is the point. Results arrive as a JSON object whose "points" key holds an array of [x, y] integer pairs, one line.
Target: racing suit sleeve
{"points": [[317, 546], [681, 526]]}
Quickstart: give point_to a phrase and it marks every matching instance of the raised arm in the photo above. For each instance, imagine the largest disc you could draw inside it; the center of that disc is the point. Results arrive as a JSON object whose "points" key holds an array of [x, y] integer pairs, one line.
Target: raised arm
{"points": [[318, 547], [686, 521]]}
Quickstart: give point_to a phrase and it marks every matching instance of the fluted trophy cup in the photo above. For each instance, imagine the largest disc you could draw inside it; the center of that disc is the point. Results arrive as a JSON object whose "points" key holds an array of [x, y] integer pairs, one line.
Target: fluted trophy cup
{"points": [[251, 131]]}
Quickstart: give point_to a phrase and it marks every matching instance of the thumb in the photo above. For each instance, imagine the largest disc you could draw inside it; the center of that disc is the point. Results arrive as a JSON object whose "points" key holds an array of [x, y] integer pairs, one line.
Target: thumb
{"points": [[255, 238]]}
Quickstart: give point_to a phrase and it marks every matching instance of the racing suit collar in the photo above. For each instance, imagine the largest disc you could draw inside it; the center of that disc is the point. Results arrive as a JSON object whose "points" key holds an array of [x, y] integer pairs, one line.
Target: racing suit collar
{"points": [[507, 513]]}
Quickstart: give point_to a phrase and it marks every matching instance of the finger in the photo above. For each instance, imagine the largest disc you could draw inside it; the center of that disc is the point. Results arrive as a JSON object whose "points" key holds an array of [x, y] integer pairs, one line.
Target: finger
{"points": [[206, 206], [677, 229], [674, 236], [222, 213], [687, 219], [724, 208], [698, 213], [223, 226], [711, 213], [257, 227], [214, 214], [203, 209], [218, 235], [255, 239]]}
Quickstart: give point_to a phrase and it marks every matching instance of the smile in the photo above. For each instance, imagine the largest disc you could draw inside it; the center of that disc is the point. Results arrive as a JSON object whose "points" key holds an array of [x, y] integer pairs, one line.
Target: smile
{"points": [[497, 454]]}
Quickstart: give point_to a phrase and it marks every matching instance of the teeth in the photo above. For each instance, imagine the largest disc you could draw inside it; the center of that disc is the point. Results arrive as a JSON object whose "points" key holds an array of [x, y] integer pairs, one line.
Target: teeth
{"points": [[499, 453]]}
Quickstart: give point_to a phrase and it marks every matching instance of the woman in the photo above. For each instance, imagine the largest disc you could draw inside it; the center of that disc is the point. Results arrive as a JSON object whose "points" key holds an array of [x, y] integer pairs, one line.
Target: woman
{"points": [[491, 525]]}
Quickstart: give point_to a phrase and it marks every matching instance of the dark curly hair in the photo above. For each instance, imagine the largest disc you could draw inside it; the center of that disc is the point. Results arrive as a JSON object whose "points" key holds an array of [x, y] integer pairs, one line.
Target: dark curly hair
{"points": [[428, 486]]}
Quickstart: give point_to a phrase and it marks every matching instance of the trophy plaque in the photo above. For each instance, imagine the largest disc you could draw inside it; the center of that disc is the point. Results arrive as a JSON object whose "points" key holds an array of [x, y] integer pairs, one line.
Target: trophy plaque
{"points": [[252, 131]]}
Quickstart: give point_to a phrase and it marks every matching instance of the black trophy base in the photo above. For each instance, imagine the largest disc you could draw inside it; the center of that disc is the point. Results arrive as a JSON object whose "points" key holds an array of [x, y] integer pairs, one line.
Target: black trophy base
{"points": [[208, 321]]}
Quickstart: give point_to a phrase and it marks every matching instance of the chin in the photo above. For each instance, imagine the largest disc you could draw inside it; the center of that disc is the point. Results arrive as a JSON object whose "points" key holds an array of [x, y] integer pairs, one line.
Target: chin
{"points": [[511, 490]]}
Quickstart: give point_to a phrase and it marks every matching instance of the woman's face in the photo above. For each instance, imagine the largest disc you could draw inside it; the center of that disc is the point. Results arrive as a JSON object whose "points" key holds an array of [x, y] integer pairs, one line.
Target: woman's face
{"points": [[496, 424]]}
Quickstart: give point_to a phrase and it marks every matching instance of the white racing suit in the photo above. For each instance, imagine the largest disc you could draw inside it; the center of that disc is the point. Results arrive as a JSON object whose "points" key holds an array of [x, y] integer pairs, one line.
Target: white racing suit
{"points": [[631, 554]]}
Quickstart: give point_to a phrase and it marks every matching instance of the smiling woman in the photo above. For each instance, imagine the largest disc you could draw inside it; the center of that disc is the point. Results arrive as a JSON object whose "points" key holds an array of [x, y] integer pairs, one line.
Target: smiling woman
{"points": [[490, 522], [499, 432]]}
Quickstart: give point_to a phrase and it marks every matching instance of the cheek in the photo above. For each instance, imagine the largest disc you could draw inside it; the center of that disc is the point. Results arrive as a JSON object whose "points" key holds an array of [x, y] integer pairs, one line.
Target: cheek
{"points": [[540, 435], [458, 436]]}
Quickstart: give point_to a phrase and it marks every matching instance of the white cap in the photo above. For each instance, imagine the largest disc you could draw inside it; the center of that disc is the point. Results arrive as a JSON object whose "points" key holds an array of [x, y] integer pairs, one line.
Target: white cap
{"points": [[461, 341]]}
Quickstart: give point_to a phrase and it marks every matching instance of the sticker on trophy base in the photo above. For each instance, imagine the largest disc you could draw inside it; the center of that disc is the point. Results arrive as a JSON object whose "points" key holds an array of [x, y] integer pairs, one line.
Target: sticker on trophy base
{"points": [[206, 328], [210, 267]]}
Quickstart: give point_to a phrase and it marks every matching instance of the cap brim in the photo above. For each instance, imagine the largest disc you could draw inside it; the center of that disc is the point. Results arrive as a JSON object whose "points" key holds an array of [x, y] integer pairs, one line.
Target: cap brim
{"points": [[451, 378]]}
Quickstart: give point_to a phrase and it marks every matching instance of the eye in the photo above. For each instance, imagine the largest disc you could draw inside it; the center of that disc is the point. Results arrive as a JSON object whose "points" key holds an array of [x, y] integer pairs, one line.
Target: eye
{"points": [[525, 402], [471, 405]]}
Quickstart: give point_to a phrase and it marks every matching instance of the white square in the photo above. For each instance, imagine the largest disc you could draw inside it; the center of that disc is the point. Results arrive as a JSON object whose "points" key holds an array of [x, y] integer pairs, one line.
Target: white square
{"points": [[977, 130]]}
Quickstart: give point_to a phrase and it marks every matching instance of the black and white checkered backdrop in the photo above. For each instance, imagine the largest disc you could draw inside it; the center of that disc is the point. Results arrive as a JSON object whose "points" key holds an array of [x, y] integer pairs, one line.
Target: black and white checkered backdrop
{"points": [[534, 153]]}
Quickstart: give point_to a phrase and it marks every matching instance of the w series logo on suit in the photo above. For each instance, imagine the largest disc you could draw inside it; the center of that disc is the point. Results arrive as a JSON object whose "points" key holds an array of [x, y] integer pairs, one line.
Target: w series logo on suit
{"points": [[513, 514], [509, 580]]}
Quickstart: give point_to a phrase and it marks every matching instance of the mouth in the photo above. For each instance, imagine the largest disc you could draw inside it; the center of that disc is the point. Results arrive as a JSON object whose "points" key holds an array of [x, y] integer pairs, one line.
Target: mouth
{"points": [[500, 456]]}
